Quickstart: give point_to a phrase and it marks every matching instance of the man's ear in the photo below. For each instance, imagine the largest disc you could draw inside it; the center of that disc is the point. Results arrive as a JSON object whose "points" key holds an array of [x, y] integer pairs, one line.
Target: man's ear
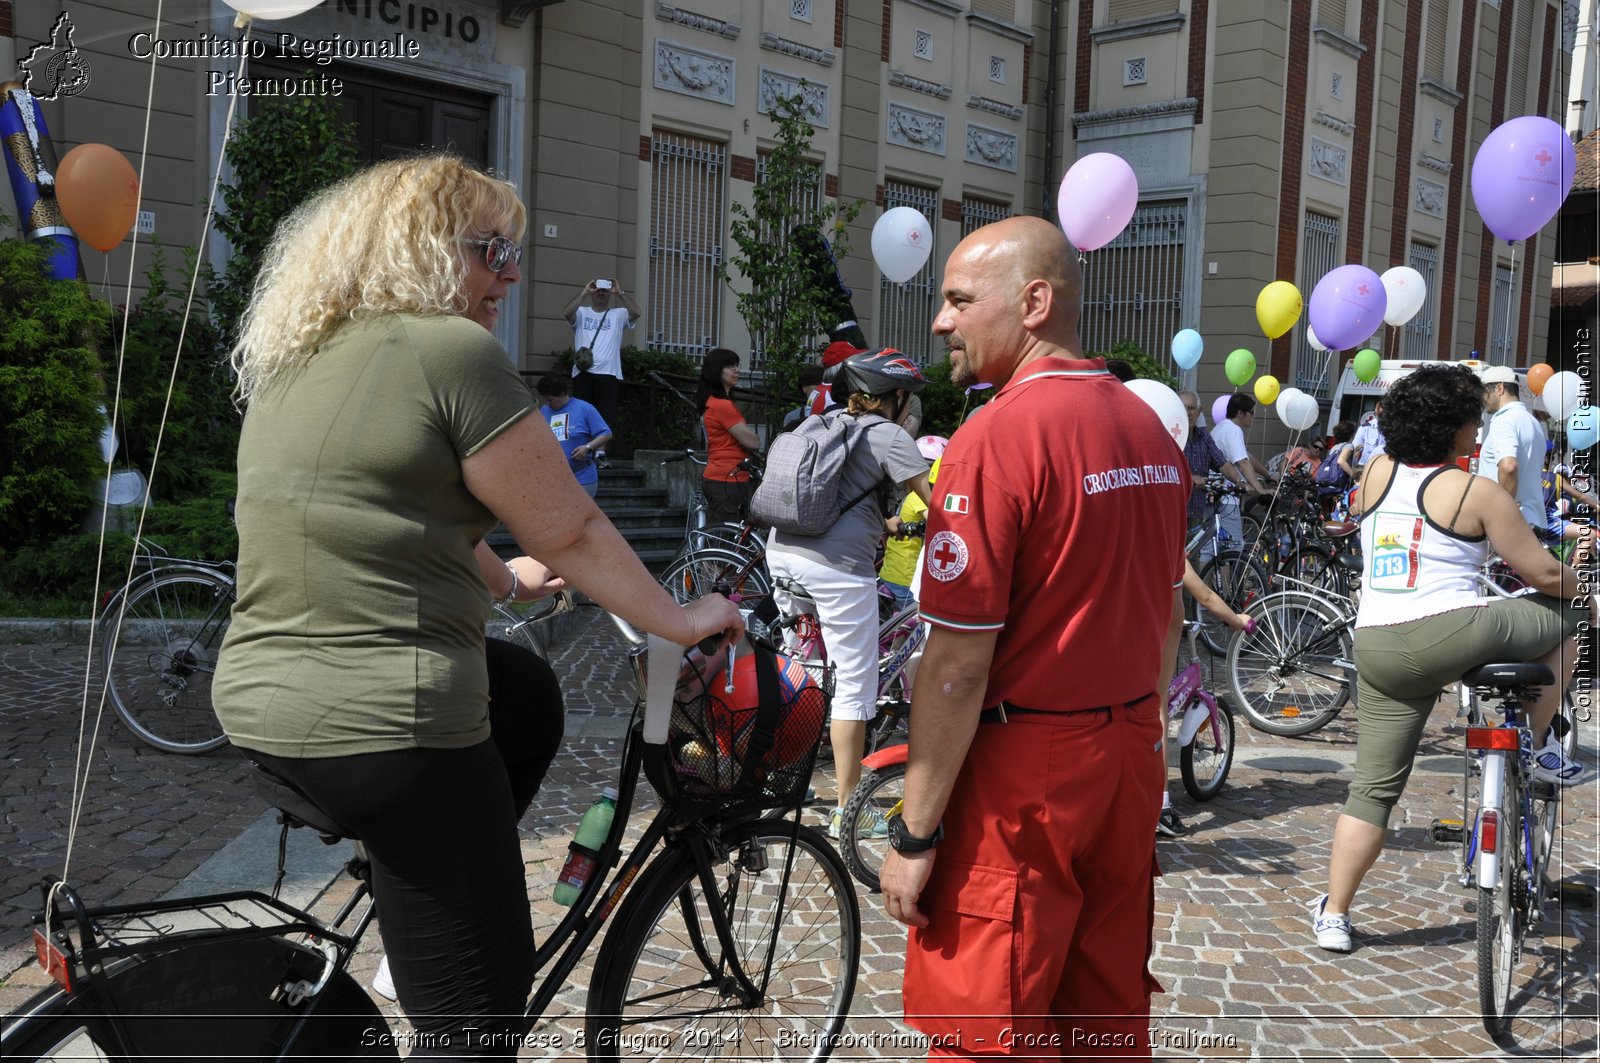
{"points": [[1037, 299]]}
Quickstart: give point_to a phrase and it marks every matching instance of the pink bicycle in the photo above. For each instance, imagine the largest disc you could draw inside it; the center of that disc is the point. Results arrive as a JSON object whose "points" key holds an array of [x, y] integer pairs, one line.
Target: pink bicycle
{"points": [[1205, 754]]}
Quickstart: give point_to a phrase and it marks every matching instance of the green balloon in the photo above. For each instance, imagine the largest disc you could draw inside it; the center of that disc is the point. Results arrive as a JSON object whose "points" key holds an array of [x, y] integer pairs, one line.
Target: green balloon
{"points": [[1240, 367], [1366, 365]]}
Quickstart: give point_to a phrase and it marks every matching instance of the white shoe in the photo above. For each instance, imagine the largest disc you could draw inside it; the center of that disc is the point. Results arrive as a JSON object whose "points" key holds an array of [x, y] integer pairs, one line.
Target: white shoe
{"points": [[1552, 765], [383, 981], [1333, 931]]}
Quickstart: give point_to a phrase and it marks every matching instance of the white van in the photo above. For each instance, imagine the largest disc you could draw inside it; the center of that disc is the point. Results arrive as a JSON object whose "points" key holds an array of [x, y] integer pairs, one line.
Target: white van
{"points": [[1353, 399]]}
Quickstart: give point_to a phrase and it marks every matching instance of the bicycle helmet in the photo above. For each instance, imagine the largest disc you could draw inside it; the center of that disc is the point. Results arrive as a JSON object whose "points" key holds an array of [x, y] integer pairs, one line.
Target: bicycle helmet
{"points": [[880, 372], [932, 447]]}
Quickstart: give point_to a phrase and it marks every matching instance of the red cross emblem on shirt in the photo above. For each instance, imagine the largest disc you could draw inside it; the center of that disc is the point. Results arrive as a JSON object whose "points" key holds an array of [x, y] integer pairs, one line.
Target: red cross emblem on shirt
{"points": [[947, 556]]}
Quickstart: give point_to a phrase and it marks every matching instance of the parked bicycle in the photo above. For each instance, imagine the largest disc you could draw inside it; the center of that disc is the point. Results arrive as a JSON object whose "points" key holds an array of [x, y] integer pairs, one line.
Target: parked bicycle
{"points": [[1294, 671], [736, 928], [1205, 756], [159, 637]]}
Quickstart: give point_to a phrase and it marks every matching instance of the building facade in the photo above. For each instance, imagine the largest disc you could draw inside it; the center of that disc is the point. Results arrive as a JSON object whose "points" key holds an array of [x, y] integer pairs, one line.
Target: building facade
{"points": [[1272, 139]]}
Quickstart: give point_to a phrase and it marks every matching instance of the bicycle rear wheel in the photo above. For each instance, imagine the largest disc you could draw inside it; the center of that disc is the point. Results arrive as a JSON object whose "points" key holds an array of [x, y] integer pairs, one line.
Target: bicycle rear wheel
{"points": [[697, 574], [1293, 673], [863, 836], [1500, 919], [1205, 761], [663, 987], [161, 658]]}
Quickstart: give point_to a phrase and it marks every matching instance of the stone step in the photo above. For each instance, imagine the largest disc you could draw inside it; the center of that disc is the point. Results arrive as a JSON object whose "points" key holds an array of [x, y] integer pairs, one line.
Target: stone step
{"points": [[632, 496]]}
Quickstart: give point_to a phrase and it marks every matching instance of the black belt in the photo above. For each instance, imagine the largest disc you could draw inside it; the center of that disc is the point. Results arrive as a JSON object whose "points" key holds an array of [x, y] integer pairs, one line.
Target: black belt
{"points": [[1001, 712]]}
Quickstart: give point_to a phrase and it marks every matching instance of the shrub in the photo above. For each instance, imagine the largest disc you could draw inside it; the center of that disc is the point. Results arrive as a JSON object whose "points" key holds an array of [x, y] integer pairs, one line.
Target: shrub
{"points": [[944, 405], [50, 395], [1143, 365], [648, 416]]}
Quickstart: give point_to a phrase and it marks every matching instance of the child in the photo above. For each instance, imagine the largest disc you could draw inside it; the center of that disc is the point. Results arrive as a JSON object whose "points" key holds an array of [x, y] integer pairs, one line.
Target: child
{"points": [[900, 554]]}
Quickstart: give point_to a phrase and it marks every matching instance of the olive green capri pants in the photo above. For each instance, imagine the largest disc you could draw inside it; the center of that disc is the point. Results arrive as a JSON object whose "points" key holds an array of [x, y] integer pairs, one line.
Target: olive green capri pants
{"points": [[1402, 668]]}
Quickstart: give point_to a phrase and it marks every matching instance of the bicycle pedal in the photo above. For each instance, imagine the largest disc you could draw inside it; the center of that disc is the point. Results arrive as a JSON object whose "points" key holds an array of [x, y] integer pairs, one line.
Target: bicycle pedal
{"points": [[1577, 895], [1447, 830]]}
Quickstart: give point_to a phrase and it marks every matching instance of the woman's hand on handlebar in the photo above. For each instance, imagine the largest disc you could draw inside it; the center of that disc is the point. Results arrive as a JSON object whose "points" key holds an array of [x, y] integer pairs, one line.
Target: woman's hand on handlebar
{"points": [[713, 617], [534, 579]]}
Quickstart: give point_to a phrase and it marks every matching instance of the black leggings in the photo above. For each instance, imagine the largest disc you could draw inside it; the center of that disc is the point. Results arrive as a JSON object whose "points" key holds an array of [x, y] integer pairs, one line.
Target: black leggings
{"points": [[600, 390], [440, 826]]}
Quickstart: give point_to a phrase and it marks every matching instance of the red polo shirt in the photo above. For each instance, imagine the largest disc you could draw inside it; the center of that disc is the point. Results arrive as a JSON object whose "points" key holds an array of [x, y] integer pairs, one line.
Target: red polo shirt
{"points": [[1058, 520]]}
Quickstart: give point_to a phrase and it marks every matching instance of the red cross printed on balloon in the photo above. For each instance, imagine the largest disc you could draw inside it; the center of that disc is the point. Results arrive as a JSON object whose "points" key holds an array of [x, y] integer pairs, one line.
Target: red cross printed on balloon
{"points": [[1544, 158], [1363, 289], [913, 236]]}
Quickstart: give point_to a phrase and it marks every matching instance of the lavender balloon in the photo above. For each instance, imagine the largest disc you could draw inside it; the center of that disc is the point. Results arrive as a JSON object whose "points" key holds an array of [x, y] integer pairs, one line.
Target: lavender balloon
{"points": [[1520, 176], [1219, 409], [1097, 200], [1347, 306]]}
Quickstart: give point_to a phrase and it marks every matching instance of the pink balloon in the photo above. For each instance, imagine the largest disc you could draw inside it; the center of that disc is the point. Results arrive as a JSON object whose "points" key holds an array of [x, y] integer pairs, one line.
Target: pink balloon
{"points": [[1219, 410], [1097, 199], [1347, 306], [1520, 176]]}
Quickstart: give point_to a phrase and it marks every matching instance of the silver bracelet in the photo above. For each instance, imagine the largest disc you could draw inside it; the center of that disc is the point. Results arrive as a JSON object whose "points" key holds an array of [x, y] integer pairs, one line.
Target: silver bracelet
{"points": [[512, 593]]}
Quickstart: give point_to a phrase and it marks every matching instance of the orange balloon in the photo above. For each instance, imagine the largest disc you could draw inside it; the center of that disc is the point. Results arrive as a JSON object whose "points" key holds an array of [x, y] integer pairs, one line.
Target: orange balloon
{"points": [[99, 194], [1539, 375]]}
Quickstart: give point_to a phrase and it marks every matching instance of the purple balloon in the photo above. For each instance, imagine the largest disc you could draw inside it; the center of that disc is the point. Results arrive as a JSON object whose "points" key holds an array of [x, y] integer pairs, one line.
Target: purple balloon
{"points": [[1347, 306], [1096, 200], [1219, 409], [1520, 176]]}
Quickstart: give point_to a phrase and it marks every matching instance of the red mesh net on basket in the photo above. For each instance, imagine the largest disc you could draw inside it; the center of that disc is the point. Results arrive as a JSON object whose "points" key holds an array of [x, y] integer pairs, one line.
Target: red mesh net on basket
{"points": [[751, 748]]}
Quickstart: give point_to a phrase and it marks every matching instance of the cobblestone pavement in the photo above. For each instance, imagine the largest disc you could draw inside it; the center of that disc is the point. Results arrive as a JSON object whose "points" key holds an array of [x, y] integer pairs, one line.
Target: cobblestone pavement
{"points": [[1232, 941]]}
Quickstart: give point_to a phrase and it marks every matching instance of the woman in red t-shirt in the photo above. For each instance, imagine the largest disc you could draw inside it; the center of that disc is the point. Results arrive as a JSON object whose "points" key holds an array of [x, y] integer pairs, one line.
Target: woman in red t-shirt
{"points": [[729, 440]]}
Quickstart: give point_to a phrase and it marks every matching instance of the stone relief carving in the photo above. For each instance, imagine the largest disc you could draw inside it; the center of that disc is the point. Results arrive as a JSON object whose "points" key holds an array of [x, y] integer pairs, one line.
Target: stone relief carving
{"points": [[1004, 110], [1436, 164], [774, 85], [1328, 161], [1333, 122], [695, 20], [916, 129], [1430, 198], [771, 42], [901, 79], [990, 147], [693, 72]]}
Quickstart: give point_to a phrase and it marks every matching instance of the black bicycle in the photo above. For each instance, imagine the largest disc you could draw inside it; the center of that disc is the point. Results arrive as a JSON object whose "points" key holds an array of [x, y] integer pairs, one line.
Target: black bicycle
{"points": [[736, 929]]}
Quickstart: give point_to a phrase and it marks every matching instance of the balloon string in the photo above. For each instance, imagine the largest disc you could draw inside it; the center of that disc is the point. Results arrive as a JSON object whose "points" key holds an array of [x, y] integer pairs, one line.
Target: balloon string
{"points": [[1511, 290]]}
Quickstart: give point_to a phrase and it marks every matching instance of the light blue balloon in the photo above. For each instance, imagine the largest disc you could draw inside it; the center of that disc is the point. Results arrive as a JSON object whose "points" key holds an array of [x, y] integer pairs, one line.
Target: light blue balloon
{"points": [[1187, 346], [1583, 427]]}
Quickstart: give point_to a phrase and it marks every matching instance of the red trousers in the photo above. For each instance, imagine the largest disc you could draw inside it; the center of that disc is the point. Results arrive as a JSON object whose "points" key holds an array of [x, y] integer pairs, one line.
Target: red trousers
{"points": [[1042, 898]]}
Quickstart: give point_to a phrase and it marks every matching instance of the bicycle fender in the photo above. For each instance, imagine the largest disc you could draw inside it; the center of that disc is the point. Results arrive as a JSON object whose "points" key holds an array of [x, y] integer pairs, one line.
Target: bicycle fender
{"points": [[895, 754], [1196, 715]]}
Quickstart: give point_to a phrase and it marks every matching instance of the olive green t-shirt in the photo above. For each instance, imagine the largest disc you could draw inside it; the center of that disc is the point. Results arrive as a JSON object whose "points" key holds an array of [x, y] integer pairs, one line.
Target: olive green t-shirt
{"points": [[359, 624]]}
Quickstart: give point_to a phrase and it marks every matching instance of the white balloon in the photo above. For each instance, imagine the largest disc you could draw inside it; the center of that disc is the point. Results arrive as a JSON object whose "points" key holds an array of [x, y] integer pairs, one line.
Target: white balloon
{"points": [[1407, 291], [1285, 405], [1563, 393], [1296, 409], [271, 9], [1311, 338], [901, 241], [1168, 407]]}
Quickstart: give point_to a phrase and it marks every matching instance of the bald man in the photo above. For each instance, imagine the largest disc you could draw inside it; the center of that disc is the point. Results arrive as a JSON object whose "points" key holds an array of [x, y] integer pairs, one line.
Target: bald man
{"points": [[1024, 860]]}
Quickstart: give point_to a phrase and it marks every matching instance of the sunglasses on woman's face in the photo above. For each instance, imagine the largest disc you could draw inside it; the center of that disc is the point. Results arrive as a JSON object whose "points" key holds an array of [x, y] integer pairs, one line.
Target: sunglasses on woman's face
{"points": [[497, 251]]}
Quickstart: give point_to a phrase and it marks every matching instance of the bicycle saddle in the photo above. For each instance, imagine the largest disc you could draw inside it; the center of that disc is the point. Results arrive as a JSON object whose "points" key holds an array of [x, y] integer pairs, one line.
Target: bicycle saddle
{"points": [[298, 809], [1510, 674], [1339, 529]]}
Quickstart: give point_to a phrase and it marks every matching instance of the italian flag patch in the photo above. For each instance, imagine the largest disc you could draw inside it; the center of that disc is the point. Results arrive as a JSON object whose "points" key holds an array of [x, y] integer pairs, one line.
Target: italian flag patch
{"points": [[955, 503]]}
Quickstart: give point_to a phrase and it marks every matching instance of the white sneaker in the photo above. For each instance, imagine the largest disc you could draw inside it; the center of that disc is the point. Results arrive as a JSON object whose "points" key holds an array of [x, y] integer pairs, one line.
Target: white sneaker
{"points": [[383, 981], [1552, 765], [1333, 931]]}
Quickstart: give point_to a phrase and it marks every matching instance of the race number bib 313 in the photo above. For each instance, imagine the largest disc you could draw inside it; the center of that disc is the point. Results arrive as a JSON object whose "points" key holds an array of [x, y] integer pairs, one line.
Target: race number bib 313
{"points": [[1395, 544]]}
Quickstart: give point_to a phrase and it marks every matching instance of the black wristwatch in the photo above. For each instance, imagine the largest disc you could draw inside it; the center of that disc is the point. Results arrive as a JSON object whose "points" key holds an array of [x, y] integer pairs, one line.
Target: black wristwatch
{"points": [[903, 841]]}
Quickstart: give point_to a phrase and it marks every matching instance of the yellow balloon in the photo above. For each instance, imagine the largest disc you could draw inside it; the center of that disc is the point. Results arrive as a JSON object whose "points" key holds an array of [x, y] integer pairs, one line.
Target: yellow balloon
{"points": [[1267, 389], [1278, 308]]}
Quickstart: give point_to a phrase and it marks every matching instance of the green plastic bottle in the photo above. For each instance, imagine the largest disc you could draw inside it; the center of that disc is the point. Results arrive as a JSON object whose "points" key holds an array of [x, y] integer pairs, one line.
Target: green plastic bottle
{"points": [[583, 855]]}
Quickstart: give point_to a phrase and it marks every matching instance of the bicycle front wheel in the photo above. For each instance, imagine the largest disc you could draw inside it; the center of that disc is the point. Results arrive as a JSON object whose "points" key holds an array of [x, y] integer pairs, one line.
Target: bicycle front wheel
{"points": [[1292, 674], [664, 987], [864, 834], [1500, 918], [1205, 761], [1239, 582], [697, 574], [161, 658]]}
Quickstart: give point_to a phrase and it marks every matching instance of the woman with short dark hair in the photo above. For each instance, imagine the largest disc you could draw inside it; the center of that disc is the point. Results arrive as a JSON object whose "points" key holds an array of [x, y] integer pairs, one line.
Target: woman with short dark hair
{"points": [[729, 440], [1427, 528]]}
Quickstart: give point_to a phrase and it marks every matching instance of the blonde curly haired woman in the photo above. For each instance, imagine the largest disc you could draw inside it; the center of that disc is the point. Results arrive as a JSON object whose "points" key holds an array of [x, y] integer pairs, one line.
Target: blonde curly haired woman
{"points": [[385, 433]]}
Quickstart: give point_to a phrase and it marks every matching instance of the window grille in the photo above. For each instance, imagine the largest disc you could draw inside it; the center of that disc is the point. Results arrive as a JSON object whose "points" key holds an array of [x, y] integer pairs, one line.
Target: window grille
{"points": [[1436, 39], [906, 310], [1418, 337], [976, 213], [1331, 13], [800, 10], [1502, 320], [997, 69], [1319, 253], [1133, 70], [1133, 287], [688, 192], [804, 202], [1123, 10], [922, 45]]}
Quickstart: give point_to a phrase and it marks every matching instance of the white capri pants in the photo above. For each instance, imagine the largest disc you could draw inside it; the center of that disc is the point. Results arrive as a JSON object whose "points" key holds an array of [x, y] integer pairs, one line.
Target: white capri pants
{"points": [[847, 608]]}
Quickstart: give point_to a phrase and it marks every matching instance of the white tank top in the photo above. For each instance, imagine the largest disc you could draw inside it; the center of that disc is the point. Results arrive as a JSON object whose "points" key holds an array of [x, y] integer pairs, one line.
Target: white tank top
{"points": [[1414, 567]]}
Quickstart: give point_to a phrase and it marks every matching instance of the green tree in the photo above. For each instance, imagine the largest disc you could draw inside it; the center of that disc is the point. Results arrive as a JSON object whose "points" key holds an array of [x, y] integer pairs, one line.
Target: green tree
{"points": [[50, 393], [281, 156], [786, 302], [1142, 364]]}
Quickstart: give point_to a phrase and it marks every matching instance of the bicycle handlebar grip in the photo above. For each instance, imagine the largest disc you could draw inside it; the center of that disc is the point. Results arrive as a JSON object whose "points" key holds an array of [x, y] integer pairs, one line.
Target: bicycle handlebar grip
{"points": [[1249, 625]]}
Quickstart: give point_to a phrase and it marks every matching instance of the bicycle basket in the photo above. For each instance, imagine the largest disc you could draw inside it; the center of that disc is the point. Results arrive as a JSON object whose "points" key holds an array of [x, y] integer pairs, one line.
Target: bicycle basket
{"points": [[748, 750]]}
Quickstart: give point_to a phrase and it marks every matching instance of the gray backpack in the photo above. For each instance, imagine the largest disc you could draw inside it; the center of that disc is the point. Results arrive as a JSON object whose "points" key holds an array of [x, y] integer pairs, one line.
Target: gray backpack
{"points": [[799, 490]]}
